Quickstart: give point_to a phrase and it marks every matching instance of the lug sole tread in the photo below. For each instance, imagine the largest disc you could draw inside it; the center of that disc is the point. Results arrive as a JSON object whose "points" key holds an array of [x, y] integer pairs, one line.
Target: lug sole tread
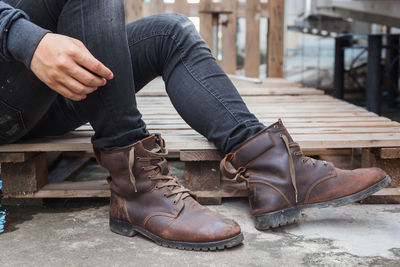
{"points": [[130, 230], [291, 215]]}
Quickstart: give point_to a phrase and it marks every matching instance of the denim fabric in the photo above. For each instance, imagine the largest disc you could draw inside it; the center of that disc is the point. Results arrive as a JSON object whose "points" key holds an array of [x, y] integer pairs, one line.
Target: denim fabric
{"points": [[166, 45]]}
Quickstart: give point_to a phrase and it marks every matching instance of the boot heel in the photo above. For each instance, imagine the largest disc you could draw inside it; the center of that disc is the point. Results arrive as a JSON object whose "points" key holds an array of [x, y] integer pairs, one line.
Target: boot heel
{"points": [[277, 218], [121, 227]]}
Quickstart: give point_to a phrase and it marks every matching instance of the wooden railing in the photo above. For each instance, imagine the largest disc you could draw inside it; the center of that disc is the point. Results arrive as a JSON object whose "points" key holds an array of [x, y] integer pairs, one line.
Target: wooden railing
{"points": [[225, 14]]}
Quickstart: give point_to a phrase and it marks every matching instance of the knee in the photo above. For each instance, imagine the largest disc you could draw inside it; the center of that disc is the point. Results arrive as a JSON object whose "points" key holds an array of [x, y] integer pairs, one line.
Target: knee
{"points": [[111, 10], [179, 24], [114, 9], [110, 14]]}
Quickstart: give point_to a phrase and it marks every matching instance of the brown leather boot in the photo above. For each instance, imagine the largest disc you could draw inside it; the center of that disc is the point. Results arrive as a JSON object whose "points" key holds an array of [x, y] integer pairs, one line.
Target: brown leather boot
{"points": [[282, 181], [147, 199]]}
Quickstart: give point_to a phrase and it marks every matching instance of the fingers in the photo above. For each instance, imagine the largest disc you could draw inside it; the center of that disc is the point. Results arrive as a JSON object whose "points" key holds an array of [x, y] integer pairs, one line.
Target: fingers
{"points": [[64, 91], [87, 60], [76, 87], [85, 77]]}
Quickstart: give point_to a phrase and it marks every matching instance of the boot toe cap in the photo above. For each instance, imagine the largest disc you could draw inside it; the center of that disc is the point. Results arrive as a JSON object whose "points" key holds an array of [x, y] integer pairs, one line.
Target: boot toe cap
{"points": [[346, 183], [195, 223], [364, 177]]}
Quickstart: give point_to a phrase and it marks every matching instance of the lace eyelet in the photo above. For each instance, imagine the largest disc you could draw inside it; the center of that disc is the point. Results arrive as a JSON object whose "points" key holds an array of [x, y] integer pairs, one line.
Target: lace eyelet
{"points": [[165, 194], [276, 126], [156, 187], [174, 202], [137, 158]]}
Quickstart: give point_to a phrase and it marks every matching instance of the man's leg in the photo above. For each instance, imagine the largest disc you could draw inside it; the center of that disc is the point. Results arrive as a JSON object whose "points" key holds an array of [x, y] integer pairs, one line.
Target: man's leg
{"points": [[169, 45], [24, 99], [280, 179], [111, 110], [145, 197]]}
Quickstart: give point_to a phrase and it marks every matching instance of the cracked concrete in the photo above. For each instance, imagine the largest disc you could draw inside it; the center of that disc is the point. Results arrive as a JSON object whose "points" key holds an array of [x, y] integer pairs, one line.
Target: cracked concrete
{"points": [[72, 233]]}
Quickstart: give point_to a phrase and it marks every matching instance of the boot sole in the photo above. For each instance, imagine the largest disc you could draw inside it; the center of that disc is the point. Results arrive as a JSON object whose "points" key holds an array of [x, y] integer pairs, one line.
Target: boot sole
{"points": [[291, 215], [128, 229]]}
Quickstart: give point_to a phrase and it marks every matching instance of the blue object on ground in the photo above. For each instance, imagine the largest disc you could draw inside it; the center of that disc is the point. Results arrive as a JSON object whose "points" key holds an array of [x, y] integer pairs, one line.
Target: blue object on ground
{"points": [[2, 212]]}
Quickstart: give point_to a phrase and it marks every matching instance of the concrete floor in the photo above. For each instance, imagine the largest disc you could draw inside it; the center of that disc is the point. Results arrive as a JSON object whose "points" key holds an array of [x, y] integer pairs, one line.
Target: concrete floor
{"points": [[73, 233]]}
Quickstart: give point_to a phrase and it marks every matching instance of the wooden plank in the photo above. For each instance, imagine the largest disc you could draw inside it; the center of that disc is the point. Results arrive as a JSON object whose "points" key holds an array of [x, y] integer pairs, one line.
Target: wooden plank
{"points": [[154, 7], [255, 92], [195, 8], [228, 62], [15, 157], [268, 87], [181, 6], [298, 122], [133, 10], [388, 153], [80, 141], [178, 143], [97, 188], [205, 155], [390, 166], [28, 176], [67, 168], [274, 82], [293, 131], [206, 22], [252, 50], [203, 175], [275, 41], [52, 157], [264, 109]]}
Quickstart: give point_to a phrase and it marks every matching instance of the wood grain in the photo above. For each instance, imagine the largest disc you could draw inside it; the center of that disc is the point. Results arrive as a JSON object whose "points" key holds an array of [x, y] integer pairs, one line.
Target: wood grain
{"points": [[252, 50], [275, 41]]}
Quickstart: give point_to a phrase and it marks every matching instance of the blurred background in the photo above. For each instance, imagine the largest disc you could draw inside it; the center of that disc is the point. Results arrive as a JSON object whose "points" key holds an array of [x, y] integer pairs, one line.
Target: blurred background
{"points": [[302, 41]]}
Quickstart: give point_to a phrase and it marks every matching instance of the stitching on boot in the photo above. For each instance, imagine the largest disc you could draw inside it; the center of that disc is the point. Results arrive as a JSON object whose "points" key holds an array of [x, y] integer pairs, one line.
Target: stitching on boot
{"points": [[170, 215], [126, 212], [273, 187], [313, 185]]}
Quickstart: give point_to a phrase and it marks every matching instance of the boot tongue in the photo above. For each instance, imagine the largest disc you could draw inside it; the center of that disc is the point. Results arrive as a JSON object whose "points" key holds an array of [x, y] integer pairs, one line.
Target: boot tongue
{"points": [[150, 142], [279, 127], [154, 144], [164, 167]]}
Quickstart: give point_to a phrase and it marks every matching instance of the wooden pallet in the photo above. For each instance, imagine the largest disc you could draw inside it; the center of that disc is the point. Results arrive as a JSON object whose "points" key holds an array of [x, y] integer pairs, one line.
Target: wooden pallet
{"points": [[324, 127]]}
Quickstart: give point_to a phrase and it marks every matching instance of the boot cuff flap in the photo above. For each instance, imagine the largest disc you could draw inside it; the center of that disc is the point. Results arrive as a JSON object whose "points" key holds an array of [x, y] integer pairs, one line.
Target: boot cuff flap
{"points": [[253, 148]]}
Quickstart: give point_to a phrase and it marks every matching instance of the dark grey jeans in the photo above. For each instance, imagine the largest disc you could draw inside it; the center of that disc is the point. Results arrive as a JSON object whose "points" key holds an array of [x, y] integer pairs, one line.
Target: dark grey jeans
{"points": [[166, 45]]}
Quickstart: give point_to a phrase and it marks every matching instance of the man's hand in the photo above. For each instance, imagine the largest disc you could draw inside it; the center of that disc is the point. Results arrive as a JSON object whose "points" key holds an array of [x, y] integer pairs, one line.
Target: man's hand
{"points": [[62, 63]]}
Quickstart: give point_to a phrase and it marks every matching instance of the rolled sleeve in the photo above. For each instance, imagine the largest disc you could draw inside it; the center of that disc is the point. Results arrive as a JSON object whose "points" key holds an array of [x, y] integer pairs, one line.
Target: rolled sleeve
{"points": [[23, 38], [18, 36]]}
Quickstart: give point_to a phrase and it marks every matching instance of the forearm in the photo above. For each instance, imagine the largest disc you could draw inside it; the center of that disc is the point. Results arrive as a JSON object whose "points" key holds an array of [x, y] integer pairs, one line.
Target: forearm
{"points": [[18, 36]]}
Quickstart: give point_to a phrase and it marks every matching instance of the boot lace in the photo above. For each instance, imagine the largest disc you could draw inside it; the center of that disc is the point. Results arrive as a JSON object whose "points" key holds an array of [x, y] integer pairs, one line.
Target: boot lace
{"points": [[240, 174], [292, 170], [304, 159], [168, 180]]}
